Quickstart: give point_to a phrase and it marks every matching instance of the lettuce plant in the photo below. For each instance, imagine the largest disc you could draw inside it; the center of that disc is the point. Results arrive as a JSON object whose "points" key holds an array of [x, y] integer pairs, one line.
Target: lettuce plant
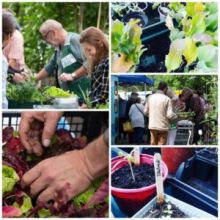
{"points": [[193, 34], [126, 45]]}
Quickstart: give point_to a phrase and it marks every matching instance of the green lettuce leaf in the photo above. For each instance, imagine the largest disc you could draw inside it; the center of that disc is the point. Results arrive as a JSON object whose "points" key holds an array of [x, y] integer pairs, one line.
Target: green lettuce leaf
{"points": [[26, 205], [9, 178], [174, 59], [44, 213], [190, 51]]}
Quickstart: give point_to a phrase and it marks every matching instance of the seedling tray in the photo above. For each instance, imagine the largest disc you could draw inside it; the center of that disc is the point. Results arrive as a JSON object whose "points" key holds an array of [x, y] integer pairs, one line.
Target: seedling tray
{"points": [[201, 174], [155, 38], [183, 192], [208, 155], [191, 196], [189, 210], [154, 30]]}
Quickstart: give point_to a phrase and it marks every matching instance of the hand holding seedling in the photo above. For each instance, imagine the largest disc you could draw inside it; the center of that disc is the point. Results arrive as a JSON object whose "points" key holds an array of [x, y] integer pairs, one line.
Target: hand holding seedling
{"points": [[36, 130], [60, 178], [159, 178]]}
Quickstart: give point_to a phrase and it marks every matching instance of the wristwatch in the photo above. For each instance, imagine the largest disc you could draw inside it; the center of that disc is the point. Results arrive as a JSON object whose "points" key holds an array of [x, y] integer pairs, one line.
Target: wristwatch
{"points": [[73, 75]]}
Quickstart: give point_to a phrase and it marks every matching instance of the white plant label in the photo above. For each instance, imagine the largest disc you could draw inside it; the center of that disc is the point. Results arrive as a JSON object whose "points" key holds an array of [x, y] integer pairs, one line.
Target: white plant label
{"points": [[159, 177], [136, 155]]}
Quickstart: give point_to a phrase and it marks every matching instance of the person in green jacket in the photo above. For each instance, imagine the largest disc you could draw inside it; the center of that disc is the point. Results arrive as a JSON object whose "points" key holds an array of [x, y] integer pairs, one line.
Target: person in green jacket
{"points": [[68, 63]]}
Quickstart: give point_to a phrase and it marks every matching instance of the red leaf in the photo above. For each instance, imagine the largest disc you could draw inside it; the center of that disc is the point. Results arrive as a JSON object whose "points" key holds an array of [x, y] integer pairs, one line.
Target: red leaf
{"points": [[10, 212]]}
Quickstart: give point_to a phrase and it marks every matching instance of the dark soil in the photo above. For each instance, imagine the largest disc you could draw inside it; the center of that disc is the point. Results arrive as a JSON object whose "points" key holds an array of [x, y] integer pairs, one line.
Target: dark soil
{"points": [[144, 176], [167, 209]]}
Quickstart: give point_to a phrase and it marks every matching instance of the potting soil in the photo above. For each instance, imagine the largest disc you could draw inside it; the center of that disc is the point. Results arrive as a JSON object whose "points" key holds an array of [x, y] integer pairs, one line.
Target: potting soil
{"points": [[144, 176], [167, 209]]}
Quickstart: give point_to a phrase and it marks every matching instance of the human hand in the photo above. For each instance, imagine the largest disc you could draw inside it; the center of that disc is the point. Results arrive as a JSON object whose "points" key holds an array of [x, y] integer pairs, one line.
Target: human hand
{"points": [[66, 77], [36, 130], [83, 106], [61, 178], [18, 78]]}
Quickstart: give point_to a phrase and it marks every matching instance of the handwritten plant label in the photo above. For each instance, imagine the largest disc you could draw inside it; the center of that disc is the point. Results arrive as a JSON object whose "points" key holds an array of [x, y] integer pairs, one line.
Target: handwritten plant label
{"points": [[137, 156], [159, 178]]}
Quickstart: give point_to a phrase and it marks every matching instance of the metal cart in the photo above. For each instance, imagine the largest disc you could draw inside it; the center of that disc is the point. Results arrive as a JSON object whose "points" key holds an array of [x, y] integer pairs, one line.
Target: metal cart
{"points": [[185, 130]]}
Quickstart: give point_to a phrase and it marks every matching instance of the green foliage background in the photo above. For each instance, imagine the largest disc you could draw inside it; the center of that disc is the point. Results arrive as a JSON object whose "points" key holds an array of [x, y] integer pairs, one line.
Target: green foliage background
{"points": [[207, 83], [74, 16]]}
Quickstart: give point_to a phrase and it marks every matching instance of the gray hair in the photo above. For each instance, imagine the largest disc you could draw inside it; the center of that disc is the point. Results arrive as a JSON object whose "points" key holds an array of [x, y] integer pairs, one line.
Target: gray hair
{"points": [[50, 24]]}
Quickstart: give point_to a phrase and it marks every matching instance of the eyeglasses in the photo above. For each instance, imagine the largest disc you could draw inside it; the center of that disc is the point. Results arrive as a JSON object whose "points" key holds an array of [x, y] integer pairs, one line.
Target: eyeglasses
{"points": [[46, 35]]}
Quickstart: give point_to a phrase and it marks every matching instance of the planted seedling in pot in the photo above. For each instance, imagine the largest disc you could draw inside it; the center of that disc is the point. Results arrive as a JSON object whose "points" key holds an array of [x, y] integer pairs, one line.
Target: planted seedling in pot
{"points": [[162, 208]]}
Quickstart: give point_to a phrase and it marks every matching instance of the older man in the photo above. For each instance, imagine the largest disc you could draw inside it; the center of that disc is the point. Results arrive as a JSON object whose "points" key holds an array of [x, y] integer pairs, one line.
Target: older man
{"points": [[68, 63], [159, 110]]}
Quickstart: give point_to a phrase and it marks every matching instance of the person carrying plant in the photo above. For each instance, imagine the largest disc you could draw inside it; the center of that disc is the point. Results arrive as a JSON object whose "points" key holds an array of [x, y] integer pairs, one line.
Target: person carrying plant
{"points": [[68, 63], [193, 103], [8, 28], [60, 178], [160, 112]]}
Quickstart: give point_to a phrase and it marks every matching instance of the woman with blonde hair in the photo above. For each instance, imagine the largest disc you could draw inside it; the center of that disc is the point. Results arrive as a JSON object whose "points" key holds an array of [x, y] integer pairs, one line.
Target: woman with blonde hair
{"points": [[96, 49]]}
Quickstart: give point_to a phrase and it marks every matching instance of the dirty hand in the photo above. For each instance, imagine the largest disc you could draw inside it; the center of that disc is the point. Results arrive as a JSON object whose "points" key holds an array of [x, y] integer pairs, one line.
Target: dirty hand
{"points": [[60, 178], [36, 130], [66, 77]]}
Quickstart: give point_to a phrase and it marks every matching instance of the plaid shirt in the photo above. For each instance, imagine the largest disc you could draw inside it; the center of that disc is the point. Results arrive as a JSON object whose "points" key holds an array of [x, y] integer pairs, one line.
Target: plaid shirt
{"points": [[100, 83]]}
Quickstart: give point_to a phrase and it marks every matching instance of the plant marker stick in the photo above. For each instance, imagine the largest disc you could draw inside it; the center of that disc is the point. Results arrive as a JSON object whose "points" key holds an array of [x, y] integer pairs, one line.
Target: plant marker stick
{"points": [[136, 155], [159, 178], [131, 160]]}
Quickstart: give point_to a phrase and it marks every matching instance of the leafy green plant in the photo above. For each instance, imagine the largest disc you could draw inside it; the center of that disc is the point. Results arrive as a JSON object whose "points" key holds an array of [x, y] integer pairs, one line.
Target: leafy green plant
{"points": [[25, 92], [126, 45], [86, 97], [9, 178], [193, 35], [53, 91]]}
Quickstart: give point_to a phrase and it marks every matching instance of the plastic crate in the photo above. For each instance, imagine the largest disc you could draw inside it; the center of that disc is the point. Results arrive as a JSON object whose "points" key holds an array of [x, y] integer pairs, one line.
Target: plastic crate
{"points": [[89, 124], [200, 174], [190, 195]]}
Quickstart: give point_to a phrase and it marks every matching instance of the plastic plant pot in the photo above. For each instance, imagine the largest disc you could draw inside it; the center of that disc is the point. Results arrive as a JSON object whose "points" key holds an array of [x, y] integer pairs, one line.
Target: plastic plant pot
{"points": [[143, 6], [12, 104], [131, 200], [163, 12], [189, 210], [143, 19], [173, 157]]}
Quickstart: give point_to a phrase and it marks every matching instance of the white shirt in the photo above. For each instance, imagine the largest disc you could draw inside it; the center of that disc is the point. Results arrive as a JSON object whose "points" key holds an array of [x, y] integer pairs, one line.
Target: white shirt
{"points": [[4, 81], [159, 109]]}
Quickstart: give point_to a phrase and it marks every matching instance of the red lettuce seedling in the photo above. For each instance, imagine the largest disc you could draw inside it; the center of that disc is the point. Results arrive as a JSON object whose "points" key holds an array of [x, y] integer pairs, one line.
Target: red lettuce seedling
{"points": [[11, 211]]}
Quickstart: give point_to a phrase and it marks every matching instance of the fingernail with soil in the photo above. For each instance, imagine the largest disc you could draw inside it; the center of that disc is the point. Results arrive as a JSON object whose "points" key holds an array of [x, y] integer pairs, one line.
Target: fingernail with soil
{"points": [[46, 143]]}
